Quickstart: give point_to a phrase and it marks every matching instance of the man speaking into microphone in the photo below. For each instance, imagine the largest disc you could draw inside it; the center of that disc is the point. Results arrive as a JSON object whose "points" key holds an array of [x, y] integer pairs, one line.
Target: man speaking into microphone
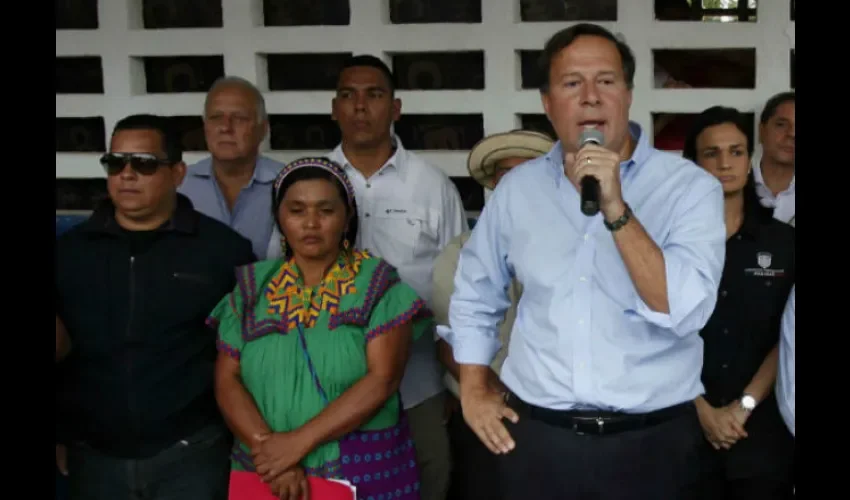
{"points": [[605, 356]]}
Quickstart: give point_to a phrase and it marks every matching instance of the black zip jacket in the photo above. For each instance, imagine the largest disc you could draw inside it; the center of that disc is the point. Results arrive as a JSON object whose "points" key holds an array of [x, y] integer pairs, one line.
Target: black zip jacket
{"points": [[140, 375]]}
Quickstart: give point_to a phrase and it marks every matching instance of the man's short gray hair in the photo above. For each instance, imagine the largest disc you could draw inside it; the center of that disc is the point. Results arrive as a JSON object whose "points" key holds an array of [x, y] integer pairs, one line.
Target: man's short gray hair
{"points": [[238, 81]]}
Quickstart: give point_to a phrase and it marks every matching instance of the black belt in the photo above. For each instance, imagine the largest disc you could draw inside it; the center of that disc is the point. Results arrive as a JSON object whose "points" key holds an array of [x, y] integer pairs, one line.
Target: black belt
{"points": [[598, 422]]}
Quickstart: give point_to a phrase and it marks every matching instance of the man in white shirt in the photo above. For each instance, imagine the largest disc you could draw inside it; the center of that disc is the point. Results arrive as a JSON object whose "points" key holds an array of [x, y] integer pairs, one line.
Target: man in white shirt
{"points": [[774, 163], [408, 212]]}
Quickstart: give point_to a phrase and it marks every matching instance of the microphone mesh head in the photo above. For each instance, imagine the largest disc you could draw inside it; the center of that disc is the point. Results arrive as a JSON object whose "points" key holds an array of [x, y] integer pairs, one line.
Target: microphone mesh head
{"points": [[591, 135]]}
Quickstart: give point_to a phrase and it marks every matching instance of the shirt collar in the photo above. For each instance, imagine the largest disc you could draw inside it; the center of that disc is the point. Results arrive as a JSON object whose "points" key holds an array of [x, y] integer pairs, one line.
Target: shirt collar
{"points": [[398, 160], [751, 223], [643, 151], [264, 171], [759, 178], [755, 214]]}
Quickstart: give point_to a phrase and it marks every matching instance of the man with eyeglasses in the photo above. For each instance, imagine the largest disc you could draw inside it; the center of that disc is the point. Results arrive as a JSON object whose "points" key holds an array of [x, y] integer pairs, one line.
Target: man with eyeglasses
{"points": [[134, 285]]}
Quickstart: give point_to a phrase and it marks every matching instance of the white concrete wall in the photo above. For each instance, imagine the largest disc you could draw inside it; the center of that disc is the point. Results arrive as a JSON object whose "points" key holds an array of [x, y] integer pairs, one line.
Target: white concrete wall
{"points": [[120, 38]]}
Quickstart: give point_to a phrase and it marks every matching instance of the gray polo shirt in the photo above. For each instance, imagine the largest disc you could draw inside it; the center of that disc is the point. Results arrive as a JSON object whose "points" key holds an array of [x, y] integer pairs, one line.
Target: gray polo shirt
{"points": [[252, 213]]}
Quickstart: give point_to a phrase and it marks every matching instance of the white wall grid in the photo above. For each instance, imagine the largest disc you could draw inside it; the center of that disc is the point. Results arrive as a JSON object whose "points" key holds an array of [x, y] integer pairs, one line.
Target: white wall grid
{"points": [[120, 42]]}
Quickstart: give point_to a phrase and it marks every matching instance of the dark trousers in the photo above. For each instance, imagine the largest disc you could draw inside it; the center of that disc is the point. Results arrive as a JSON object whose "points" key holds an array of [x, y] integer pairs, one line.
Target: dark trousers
{"points": [[61, 486], [197, 468], [752, 488], [474, 471], [551, 462], [721, 481]]}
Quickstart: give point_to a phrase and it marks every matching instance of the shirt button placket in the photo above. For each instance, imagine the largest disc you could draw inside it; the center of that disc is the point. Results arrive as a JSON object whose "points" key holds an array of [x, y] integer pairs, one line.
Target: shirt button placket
{"points": [[581, 320]]}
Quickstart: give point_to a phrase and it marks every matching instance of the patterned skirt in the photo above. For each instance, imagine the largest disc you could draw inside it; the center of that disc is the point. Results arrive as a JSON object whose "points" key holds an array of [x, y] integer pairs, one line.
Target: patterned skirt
{"points": [[380, 464]]}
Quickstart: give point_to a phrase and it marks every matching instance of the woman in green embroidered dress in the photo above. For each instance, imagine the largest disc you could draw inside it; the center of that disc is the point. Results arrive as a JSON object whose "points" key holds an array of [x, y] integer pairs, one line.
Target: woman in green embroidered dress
{"points": [[312, 349]]}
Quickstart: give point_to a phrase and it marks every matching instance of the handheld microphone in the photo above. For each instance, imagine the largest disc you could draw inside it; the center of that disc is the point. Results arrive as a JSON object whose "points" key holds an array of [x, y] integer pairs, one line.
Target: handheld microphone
{"points": [[590, 184]]}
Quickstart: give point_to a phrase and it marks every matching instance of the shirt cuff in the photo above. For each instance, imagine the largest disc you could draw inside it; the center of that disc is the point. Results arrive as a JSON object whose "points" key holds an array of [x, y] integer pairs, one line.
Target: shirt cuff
{"points": [[643, 312], [473, 348], [685, 295], [444, 332]]}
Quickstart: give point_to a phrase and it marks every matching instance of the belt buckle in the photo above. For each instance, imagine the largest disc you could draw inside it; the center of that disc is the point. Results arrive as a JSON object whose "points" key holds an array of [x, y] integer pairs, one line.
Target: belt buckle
{"points": [[600, 425], [575, 429]]}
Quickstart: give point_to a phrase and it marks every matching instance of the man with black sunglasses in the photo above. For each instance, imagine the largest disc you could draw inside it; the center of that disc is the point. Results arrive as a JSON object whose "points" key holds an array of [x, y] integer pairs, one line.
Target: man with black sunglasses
{"points": [[134, 284]]}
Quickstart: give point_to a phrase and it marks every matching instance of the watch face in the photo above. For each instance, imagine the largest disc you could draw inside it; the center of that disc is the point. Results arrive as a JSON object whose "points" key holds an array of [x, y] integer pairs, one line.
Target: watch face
{"points": [[748, 402]]}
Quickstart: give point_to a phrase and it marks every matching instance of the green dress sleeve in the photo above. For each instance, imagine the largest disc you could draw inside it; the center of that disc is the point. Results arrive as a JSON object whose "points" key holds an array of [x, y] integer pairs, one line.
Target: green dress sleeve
{"points": [[226, 320], [398, 305]]}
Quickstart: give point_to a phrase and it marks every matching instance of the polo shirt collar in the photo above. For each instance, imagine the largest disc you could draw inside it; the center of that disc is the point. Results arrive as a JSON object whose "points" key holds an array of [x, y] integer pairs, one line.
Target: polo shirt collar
{"points": [[398, 160], [264, 173]]}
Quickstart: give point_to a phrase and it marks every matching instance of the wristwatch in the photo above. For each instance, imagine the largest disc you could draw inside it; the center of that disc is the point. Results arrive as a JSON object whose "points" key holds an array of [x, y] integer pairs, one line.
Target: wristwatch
{"points": [[620, 222], [748, 402]]}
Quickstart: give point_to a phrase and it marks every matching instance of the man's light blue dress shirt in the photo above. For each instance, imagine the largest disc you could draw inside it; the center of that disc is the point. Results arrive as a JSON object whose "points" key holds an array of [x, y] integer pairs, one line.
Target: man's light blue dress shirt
{"points": [[252, 213], [785, 386], [583, 338]]}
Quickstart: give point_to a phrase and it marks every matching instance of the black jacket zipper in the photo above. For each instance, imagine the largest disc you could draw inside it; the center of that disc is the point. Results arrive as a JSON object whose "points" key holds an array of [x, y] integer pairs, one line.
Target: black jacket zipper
{"points": [[131, 399]]}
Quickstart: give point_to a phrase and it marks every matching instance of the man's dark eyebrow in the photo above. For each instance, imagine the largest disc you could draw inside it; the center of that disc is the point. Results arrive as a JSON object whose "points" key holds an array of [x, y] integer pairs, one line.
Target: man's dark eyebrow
{"points": [[370, 88], [579, 74]]}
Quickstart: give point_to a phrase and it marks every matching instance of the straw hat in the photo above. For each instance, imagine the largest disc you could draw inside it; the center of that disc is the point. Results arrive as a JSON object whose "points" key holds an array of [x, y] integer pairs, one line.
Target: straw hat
{"points": [[491, 149]]}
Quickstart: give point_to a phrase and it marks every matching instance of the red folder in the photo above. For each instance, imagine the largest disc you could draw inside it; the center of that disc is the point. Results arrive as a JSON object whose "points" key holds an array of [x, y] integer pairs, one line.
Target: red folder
{"points": [[249, 486]]}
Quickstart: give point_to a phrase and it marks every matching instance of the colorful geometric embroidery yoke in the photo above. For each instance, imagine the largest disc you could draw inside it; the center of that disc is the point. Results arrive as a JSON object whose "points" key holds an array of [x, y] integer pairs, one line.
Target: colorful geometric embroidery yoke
{"points": [[291, 300]]}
